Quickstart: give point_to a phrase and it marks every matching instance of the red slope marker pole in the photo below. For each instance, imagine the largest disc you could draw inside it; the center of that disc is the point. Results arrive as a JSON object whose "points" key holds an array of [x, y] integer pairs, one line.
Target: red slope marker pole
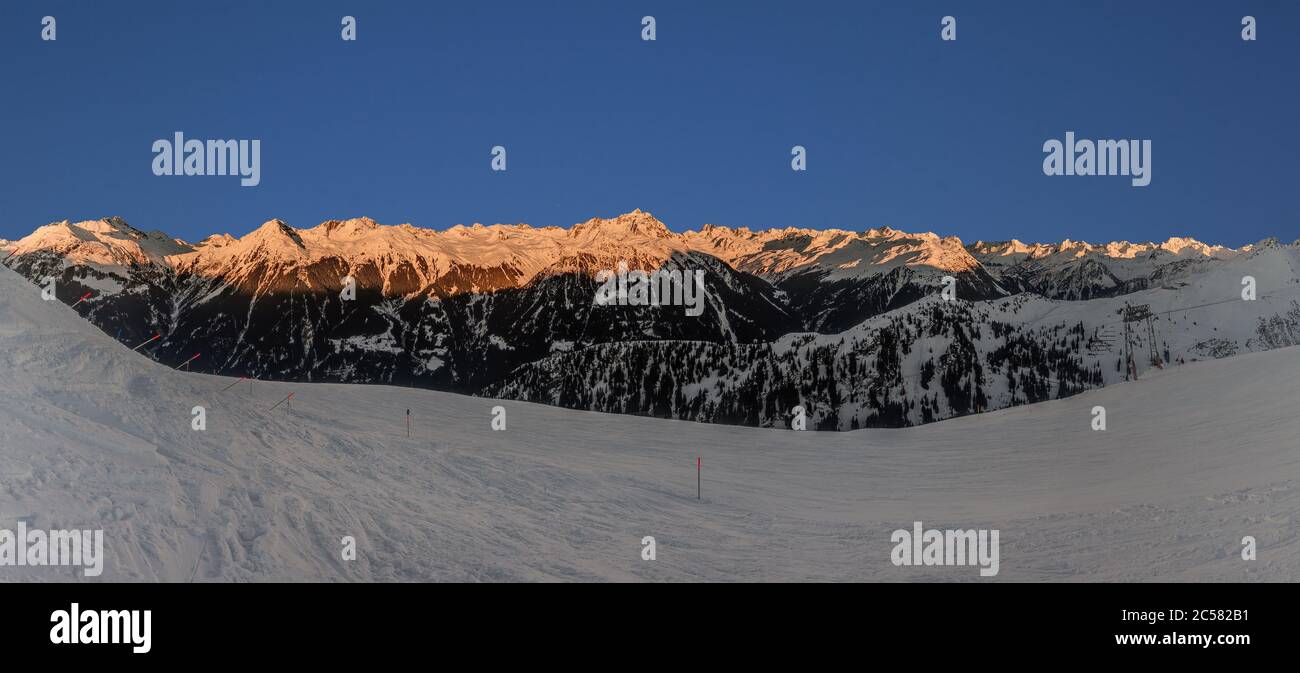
{"points": [[187, 362], [155, 338], [84, 297], [698, 491], [286, 399], [241, 380]]}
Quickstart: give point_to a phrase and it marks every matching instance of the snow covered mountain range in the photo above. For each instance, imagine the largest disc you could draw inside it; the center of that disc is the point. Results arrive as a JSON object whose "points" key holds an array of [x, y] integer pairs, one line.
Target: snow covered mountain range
{"points": [[847, 326]]}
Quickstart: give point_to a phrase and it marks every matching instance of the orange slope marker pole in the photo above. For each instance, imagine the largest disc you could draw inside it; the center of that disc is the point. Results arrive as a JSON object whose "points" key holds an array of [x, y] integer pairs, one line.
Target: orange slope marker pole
{"points": [[151, 340]]}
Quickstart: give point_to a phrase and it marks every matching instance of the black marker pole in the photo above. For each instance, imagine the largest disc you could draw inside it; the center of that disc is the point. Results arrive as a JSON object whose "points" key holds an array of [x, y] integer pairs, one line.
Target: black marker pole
{"points": [[698, 492]]}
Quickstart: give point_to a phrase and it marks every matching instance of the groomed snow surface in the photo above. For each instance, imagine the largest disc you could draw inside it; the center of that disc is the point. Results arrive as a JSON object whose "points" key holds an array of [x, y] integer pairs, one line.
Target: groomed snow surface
{"points": [[95, 436]]}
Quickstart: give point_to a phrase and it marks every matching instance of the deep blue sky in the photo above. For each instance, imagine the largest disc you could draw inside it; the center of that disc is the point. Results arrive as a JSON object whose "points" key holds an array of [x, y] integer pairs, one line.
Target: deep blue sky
{"points": [[902, 129]]}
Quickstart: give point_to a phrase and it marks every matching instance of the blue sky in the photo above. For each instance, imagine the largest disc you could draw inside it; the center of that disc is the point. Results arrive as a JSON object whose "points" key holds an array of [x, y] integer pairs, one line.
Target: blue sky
{"points": [[902, 129]]}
